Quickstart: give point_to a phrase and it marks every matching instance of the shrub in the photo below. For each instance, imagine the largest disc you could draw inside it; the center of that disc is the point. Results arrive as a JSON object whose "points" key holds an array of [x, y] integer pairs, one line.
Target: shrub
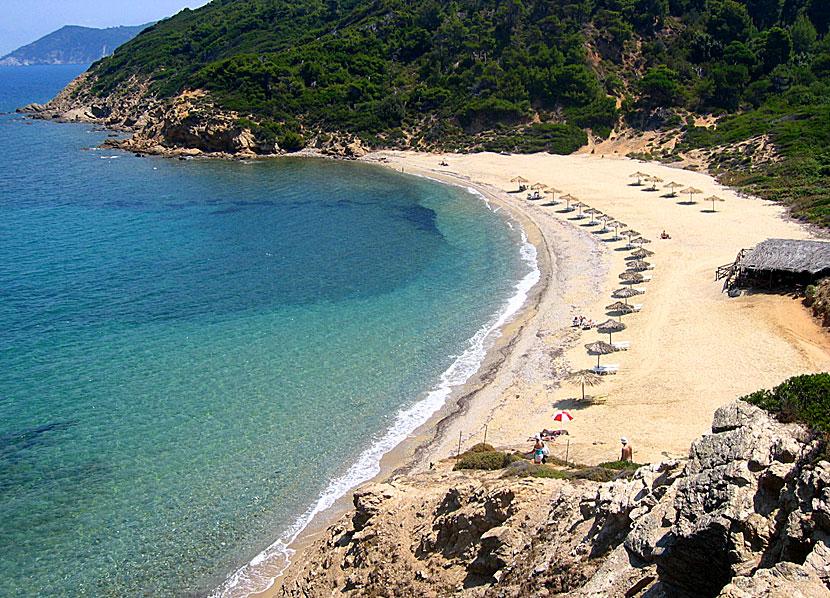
{"points": [[489, 460], [619, 465], [804, 399]]}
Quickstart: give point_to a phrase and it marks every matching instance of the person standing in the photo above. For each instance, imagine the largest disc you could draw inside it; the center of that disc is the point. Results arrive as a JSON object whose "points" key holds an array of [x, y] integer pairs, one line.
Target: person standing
{"points": [[627, 452]]}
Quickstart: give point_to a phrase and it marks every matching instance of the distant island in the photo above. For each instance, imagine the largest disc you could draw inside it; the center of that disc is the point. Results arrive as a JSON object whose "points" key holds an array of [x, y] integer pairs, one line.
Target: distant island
{"points": [[72, 44]]}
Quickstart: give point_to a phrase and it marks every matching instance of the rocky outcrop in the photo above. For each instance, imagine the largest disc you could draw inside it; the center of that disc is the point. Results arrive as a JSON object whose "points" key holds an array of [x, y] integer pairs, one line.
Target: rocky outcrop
{"points": [[747, 515], [188, 124]]}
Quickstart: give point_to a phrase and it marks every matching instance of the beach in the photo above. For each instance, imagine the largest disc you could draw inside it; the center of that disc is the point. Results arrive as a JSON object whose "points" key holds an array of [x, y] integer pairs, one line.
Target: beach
{"points": [[692, 347]]}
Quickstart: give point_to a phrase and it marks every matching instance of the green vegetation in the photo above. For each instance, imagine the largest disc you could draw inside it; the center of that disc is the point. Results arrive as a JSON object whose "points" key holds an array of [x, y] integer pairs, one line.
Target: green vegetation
{"points": [[804, 399], [489, 460], [521, 76]]}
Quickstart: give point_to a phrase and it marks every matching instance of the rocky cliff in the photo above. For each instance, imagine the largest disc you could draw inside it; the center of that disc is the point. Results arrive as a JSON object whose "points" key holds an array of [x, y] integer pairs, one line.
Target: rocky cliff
{"points": [[747, 515], [189, 124]]}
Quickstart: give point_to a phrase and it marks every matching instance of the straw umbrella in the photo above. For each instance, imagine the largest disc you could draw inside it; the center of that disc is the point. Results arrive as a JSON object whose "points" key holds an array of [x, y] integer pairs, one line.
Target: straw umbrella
{"points": [[538, 186], [638, 265], [713, 199], [641, 253], [584, 377], [619, 308], [629, 276], [552, 191], [593, 212], [580, 205], [611, 326], [691, 191], [639, 176], [627, 293], [600, 348], [673, 186], [654, 180], [519, 179], [630, 233], [568, 199], [640, 241]]}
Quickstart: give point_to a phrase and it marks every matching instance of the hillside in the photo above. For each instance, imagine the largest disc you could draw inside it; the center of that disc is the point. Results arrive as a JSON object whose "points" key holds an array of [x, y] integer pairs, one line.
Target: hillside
{"points": [[523, 76], [745, 516], [71, 45]]}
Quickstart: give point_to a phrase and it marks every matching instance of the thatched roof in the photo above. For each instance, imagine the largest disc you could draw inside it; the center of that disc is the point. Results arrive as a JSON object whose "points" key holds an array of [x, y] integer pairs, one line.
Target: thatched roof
{"points": [[789, 255]]}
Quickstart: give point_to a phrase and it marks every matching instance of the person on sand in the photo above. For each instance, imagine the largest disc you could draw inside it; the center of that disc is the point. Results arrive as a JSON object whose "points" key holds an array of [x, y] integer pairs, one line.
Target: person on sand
{"points": [[538, 451], [627, 452], [665, 235]]}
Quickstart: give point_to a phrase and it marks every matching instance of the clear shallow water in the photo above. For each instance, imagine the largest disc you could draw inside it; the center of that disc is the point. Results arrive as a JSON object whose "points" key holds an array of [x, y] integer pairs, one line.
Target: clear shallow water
{"points": [[194, 350]]}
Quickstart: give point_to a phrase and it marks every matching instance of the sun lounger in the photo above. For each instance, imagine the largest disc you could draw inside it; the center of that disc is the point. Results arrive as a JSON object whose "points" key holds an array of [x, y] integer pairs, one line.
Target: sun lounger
{"points": [[621, 345], [637, 306], [641, 289], [650, 267], [610, 368], [647, 277]]}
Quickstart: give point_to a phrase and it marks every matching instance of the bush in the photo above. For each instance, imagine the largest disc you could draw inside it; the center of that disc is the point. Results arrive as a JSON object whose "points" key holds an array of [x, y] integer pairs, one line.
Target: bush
{"points": [[619, 465], [804, 399], [489, 460]]}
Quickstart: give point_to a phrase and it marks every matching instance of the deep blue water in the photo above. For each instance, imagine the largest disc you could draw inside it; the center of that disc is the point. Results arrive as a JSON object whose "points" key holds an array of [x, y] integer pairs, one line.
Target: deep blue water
{"points": [[193, 350]]}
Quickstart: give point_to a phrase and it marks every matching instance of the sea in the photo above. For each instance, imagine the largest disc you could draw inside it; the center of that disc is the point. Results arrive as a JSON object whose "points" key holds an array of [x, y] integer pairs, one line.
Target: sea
{"points": [[199, 356]]}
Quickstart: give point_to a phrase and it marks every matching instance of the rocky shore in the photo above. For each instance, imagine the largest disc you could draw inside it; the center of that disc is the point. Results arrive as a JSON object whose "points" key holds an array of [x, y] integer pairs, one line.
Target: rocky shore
{"points": [[186, 125], [748, 514]]}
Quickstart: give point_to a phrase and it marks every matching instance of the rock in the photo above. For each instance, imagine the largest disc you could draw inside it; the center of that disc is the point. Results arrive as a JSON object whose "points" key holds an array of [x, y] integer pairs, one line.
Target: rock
{"points": [[784, 580]]}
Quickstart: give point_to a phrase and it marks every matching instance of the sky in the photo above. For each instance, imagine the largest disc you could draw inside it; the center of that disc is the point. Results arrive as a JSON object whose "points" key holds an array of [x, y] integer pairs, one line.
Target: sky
{"points": [[24, 21]]}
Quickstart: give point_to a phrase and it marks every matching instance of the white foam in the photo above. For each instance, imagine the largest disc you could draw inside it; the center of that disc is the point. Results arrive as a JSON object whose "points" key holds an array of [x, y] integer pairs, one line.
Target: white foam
{"points": [[256, 577]]}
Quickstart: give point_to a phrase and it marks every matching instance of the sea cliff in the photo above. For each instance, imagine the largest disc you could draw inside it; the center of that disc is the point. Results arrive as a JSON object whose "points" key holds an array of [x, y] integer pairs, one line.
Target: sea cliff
{"points": [[747, 514], [188, 124]]}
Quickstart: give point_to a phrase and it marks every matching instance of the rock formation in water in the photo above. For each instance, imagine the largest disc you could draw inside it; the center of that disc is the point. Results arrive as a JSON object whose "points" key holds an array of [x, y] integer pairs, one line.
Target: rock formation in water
{"points": [[747, 515]]}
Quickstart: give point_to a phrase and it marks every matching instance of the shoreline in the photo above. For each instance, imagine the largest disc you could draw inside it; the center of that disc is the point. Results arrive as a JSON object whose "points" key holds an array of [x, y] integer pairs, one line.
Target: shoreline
{"points": [[415, 451], [519, 384], [433, 440]]}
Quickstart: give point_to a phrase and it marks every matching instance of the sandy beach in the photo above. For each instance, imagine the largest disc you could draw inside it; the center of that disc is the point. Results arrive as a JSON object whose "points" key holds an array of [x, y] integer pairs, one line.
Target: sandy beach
{"points": [[692, 347]]}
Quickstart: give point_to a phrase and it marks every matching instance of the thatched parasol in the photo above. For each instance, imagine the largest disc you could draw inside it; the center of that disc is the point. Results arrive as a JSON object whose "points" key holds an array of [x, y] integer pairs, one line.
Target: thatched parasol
{"points": [[640, 241], [641, 253], [654, 180], [713, 199], [568, 199], [639, 176], [630, 233], [626, 293], [599, 348], [673, 185], [630, 276], [610, 327], [638, 265], [584, 377], [691, 191], [619, 308], [538, 186], [519, 179]]}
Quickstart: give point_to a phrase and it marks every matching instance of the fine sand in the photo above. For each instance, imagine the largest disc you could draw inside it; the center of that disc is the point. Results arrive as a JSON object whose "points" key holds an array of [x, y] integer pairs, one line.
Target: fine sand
{"points": [[693, 348]]}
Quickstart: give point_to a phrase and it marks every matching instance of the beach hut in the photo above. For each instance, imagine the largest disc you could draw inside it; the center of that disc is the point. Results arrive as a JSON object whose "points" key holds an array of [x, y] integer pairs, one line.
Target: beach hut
{"points": [[691, 191], [600, 348], [783, 263], [713, 199], [584, 377], [609, 327]]}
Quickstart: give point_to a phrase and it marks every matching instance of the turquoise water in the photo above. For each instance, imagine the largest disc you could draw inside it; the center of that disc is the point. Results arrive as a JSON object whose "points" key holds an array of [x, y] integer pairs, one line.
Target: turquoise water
{"points": [[199, 355]]}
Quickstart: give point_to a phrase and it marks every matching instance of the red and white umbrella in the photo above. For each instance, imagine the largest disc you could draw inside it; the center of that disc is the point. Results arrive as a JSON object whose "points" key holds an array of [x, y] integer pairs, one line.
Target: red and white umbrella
{"points": [[562, 416]]}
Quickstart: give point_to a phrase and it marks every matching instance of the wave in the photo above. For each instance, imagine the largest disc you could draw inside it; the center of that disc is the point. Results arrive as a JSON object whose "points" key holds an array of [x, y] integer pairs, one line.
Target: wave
{"points": [[264, 569]]}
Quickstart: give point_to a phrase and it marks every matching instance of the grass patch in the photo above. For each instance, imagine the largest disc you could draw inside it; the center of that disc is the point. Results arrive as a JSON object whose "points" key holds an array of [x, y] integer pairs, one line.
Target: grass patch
{"points": [[488, 460]]}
